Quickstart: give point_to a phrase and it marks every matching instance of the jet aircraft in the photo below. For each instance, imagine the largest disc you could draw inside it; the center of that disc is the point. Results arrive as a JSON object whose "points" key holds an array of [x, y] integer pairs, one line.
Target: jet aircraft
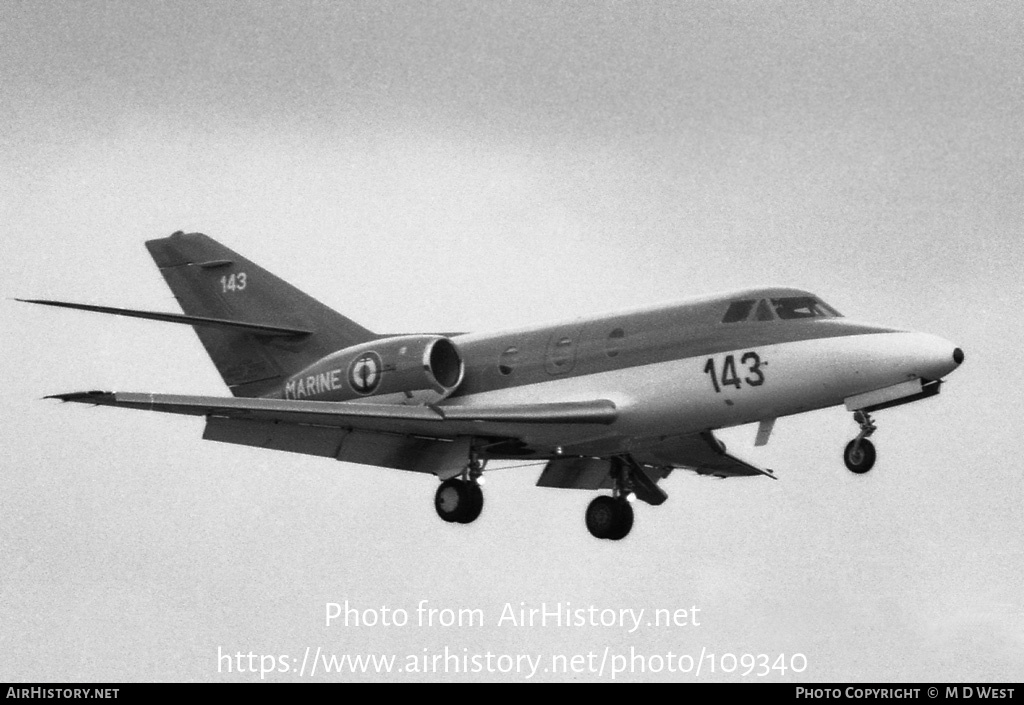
{"points": [[607, 402]]}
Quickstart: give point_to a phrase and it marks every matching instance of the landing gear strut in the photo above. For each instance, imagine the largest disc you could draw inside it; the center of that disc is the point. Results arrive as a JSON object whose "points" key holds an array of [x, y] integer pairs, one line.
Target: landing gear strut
{"points": [[612, 517], [859, 455], [460, 499]]}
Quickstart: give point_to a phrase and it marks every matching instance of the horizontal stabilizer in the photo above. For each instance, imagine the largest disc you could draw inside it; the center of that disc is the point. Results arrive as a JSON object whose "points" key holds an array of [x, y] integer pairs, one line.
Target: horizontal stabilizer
{"points": [[259, 328]]}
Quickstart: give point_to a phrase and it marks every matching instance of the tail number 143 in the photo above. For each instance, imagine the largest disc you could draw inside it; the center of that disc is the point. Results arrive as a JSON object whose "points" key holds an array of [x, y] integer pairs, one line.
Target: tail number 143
{"points": [[750, 366], [233, 282]]}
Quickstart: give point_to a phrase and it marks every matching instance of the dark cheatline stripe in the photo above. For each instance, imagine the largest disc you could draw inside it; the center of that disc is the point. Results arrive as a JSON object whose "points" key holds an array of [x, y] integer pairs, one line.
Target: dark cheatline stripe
{"points": [[647, 341]]}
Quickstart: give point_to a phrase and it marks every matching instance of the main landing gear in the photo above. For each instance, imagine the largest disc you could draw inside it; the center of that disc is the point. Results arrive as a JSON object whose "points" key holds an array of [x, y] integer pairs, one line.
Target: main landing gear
{"points": [[460, 499], [859, 455], [612, 517]]}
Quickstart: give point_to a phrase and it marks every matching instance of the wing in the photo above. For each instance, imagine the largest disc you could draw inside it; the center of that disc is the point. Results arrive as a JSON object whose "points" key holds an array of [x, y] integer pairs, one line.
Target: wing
{"points": [[442, 421], [701, 453], [420, 438]]}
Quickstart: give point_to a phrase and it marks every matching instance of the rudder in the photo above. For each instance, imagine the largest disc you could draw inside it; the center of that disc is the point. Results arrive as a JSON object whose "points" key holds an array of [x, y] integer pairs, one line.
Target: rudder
{"points": [[211, 280]]}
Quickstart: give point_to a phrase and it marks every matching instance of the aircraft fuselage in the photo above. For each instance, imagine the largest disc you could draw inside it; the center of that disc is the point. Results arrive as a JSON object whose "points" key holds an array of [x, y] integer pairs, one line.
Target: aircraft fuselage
{"points": [[680, 369]]}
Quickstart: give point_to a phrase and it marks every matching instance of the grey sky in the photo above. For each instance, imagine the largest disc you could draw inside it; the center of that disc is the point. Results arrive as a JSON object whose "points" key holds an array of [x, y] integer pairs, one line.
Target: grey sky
{"points": [[466, 166]]}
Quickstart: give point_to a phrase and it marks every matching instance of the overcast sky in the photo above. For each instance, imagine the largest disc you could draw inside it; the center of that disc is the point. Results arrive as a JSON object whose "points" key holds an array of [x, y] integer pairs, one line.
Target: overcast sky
{"points": [[476, 165]]}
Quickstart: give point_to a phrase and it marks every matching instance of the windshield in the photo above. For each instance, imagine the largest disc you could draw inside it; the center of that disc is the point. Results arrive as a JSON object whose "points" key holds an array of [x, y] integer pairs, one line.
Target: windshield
{"points": [[803, 307], [738, 311], [785, 308]]}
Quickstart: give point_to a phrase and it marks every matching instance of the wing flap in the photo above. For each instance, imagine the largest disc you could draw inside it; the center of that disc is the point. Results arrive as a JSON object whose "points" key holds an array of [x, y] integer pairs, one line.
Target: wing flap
{"points": [[577, 474], [595, 474], [443, 458], [702, 453]]}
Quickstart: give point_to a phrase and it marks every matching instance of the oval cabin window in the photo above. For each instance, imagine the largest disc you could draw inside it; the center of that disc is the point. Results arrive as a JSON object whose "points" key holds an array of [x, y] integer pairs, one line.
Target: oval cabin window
{"points": [[507, 362], [616, 339]]}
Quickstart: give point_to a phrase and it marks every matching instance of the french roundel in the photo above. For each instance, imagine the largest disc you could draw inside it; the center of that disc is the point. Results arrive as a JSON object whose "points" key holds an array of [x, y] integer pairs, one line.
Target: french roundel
{"points": [[364, 373]]}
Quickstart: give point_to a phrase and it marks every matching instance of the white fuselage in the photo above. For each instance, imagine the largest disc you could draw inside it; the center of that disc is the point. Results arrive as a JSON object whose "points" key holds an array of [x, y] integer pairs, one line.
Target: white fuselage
{"points": [[678, 397]]}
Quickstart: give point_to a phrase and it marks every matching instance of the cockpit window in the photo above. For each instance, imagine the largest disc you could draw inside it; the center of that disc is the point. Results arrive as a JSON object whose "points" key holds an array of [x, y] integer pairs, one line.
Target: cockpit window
{"points": [[738, 311], [803, 307], [764, 312], [786, 308]]}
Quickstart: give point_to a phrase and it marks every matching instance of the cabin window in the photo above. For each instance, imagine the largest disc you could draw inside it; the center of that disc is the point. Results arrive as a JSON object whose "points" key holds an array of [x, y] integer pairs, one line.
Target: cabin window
{"points": [[738, 311], [560, 356], [562, 353], [802, 307], [613, 346], [507, 361]]}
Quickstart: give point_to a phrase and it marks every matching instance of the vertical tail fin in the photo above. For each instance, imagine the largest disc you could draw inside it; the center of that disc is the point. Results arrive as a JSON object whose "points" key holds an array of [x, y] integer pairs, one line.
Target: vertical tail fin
{"points": [[211, 280]]}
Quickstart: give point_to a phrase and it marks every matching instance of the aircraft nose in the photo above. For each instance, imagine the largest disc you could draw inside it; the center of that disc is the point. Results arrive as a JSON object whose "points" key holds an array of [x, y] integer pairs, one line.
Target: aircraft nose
{"points": [[934, 357]]}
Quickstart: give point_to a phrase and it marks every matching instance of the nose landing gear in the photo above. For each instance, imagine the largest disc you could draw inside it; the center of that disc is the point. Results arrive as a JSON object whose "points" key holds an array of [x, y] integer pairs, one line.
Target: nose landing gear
{"points": [[860, 455]]}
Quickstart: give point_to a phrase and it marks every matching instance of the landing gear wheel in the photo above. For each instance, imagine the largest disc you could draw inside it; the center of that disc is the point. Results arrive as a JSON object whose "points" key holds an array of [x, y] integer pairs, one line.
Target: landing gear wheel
{"points": [[459, 501], [476, 503], [859, 458], [609, 518], [624, 522]]}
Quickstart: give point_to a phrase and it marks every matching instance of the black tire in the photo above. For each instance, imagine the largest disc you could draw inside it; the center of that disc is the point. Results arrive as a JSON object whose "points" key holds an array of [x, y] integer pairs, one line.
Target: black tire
{"points": [[859, 459], [474, 503], [609, 518], [458, 501], [624, 521], [601, 516]]}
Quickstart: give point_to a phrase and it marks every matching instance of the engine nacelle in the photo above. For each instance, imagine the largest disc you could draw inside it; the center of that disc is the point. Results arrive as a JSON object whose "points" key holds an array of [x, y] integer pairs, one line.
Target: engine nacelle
{"points": [[408, 369]]}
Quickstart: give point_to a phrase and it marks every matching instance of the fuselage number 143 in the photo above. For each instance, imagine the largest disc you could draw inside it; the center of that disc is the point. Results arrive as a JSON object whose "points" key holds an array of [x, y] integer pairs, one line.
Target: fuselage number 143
{"points": [[750, 363]]}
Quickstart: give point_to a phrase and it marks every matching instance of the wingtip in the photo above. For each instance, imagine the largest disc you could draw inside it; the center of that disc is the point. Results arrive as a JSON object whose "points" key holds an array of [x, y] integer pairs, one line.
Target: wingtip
{"points": [[90, 396], [44, 302]]}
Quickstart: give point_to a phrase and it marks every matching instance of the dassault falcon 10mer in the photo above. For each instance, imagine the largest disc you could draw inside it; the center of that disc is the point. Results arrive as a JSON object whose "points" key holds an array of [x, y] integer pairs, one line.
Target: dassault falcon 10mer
{"points": [[612, 402]]}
